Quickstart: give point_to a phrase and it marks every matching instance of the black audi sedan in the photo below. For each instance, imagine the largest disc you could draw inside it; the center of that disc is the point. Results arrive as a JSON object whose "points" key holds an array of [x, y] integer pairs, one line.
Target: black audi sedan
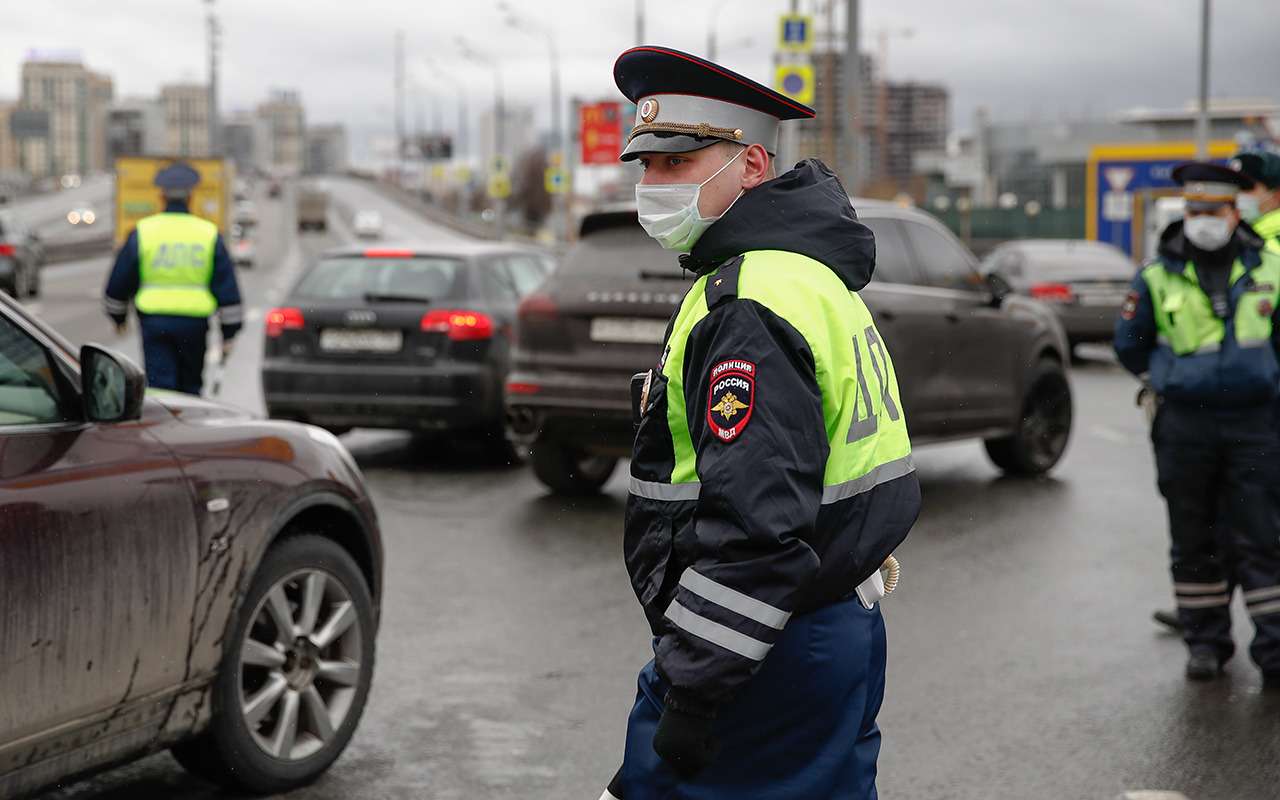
{"points": [[173, 574], [414, 337]]}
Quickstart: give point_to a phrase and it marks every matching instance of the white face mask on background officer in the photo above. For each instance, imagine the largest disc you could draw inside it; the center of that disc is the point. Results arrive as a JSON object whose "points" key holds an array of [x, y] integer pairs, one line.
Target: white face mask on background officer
{"points": [[1258, 201], [682, 194], [1210, 231]]}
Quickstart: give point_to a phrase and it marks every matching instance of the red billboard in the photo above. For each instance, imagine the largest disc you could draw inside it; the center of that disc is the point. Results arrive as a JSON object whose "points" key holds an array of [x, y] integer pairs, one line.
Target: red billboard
{"points": [[600, 131]]}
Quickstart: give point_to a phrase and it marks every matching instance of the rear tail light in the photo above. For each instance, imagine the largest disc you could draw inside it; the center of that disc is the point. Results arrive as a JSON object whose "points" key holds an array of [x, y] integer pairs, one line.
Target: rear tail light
{"points": [[537, 305], [1052, 292], [460, 325], [384, 253], [7, 249], [523, 388], [280, 320]]}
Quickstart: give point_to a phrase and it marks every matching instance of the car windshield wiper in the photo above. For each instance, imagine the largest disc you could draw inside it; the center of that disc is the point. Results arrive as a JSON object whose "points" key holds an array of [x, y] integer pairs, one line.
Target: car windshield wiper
{"points": [[375, 297], [655, 275]]}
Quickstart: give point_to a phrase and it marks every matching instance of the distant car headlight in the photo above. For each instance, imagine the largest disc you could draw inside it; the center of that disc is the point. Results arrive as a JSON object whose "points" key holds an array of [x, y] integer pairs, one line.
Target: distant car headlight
{"points": [[88, 217], [73, 217]]}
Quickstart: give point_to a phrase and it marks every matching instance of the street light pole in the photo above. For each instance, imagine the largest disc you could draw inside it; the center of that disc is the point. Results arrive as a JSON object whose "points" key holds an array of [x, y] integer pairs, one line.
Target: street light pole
{"points": [[1202, 115], [558, 143], [711, 29], [214, 32], [639, 22], [851, 121], [499, 138]]}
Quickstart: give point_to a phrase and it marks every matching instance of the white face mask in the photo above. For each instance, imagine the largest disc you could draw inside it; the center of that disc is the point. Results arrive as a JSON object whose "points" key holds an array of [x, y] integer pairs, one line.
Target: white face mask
{"points": [[1248, 207], [669, 213], [1208, 233]]}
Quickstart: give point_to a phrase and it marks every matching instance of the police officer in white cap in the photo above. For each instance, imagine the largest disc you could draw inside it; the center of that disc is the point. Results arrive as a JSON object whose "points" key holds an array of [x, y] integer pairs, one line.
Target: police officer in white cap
{"points": [[771, 476]]}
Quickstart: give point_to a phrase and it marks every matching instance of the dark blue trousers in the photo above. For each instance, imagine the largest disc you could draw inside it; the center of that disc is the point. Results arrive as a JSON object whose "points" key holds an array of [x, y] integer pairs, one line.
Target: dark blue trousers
{"points": [[804, 728], [1218, 470], [173, 349]]}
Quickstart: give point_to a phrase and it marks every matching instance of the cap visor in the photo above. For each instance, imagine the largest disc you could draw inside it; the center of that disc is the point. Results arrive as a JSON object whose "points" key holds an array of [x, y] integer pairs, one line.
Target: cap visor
{"points": [[1206, 205], [657, 143]]}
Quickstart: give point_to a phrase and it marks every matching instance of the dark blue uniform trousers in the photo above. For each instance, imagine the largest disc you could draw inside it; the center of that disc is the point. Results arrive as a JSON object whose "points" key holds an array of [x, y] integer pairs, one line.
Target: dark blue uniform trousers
{"points": [[173, 349], [1218, 471], [803, 728]]}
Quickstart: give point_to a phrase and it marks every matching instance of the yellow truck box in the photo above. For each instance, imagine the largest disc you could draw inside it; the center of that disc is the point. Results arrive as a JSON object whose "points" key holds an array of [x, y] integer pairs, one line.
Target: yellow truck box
{"points": [[138, 197]]}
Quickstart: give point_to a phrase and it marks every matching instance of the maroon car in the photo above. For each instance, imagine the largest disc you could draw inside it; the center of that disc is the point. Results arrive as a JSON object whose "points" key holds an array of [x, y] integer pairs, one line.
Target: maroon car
{"points": [[173, 574]]}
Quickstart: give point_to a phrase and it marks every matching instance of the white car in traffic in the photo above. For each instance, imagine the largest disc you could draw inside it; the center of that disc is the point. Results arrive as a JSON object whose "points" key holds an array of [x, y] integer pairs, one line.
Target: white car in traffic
{"points": [[368, 224]]}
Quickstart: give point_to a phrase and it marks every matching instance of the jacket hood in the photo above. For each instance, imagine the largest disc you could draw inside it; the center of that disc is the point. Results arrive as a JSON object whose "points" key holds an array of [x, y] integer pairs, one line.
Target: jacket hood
{"points": [[1175, 248], [803, 211]]}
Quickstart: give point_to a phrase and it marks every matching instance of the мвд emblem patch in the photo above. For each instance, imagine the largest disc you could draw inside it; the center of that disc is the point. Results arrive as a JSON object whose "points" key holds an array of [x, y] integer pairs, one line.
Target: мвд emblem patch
{"points": [[731, 398]]}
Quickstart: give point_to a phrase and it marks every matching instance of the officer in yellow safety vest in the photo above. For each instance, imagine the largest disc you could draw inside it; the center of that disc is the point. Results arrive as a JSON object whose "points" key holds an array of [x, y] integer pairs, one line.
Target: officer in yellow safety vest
{"points": [[1200, 328], [771, 475], [1260, 206], [176, 270]]}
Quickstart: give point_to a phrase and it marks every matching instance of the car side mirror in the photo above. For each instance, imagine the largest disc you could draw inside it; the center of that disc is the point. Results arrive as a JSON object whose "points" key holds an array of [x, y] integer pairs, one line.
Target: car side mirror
{"points": [[999, 287], [112, 386]]}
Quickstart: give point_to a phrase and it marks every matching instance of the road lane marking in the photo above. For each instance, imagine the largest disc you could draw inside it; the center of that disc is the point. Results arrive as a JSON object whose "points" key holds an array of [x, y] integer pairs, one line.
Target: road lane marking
{"points": [[1111, 434], [1147, 794]]}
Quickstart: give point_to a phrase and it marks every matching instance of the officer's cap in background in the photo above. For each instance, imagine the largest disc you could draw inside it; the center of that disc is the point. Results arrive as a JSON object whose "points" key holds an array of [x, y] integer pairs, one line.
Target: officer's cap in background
{"points": [[177, 178], [1264, 168], [1207, 186], [686, 103]]}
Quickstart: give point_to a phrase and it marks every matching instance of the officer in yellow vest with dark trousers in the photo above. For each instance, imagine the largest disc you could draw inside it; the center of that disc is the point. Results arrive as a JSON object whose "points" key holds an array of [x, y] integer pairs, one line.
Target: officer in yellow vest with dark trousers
{"points": [[771, 475], [176, 270], [1260, 206], [1200, 327]]}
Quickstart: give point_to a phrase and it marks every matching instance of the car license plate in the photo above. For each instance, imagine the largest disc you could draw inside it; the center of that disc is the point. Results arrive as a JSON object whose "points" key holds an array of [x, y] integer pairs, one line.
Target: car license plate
{"points": [[636, 331], [338, 340], [1115, 299]]}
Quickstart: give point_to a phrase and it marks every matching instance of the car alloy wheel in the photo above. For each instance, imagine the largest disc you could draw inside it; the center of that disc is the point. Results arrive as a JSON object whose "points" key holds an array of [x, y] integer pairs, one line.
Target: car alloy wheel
{"points": [[1046, 425], [300, 664]]}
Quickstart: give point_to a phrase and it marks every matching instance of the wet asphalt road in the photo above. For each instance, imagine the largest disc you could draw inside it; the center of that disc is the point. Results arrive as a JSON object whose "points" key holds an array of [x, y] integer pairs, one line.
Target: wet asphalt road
{"points": [[1023, 662]]}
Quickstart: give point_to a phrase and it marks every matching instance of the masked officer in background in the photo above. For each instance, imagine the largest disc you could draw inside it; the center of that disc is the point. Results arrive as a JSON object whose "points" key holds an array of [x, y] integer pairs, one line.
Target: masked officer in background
{"points": [[1260, 206], [771, 475], [176, 269], [1200, 326]]}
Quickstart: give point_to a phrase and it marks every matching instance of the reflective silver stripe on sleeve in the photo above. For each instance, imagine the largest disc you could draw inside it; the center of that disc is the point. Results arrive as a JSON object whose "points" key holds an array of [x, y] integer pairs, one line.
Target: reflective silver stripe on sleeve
{"points": [[734, 600], [231, 314], [1210, 601], [1201, 588], [1264, 608], [716, 633], [1262, 594], [114, 306], [652, 490], [888, 471]]}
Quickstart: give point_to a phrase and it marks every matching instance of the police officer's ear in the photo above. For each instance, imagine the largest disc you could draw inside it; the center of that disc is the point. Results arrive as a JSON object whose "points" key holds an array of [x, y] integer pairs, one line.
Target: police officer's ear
{"points": [[759, 166]]}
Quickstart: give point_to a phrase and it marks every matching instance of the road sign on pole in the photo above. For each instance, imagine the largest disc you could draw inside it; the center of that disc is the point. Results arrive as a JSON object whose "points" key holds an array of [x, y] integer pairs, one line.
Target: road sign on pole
{"points": [[795, 33], [795, 81], [556, 180], [499, 186]]}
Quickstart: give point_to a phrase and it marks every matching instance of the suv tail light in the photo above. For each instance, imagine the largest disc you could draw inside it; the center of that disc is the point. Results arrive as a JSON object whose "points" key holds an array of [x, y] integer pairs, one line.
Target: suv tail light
{"points": [[537, 305], [7, 249], [280, 320], [1052, 292], [460, 325]]}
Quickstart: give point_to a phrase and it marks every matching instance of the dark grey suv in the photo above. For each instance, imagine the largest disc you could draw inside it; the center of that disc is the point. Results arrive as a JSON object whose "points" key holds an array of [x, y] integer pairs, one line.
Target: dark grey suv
{"points": [[973, 360]]}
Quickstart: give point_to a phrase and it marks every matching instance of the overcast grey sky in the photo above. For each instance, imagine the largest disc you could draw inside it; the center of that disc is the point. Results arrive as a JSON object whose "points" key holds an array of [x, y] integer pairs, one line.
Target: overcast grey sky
{"points": [[1022, 59]]}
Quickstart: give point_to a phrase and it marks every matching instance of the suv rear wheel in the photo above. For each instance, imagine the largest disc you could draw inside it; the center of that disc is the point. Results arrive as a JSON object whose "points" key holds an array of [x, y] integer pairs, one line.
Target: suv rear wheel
{"points": [[1043, 428], [570, 470], [295, 673]]}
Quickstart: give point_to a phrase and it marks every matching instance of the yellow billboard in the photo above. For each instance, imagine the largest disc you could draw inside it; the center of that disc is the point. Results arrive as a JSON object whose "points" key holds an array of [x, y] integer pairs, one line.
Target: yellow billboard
{"points": [[138, 197]]}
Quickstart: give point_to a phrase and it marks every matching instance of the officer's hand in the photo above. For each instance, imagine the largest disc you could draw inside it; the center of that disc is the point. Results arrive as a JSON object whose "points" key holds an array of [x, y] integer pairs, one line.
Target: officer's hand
{"points": [[227, 347], [122, 328], [685, 742]]}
